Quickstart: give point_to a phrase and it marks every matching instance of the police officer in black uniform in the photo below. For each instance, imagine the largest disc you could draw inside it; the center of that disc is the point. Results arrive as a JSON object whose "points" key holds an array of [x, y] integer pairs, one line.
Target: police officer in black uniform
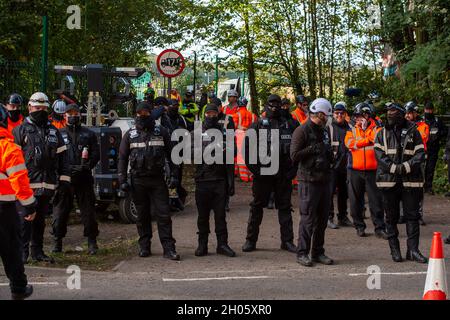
{"points": [[400, 152], [280, 182], [438, 133], [83, 155], [145, 147], [311, 148], [48, 169], [213, 182]]}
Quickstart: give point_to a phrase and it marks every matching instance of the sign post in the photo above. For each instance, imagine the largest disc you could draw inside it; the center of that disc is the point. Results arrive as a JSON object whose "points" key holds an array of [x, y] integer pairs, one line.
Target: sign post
{"points": [[170, 64]]}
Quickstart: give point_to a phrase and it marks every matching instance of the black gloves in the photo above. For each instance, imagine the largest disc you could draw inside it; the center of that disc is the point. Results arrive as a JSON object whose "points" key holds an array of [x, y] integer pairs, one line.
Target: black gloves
{"points": [[125, 187], [400, 170]]}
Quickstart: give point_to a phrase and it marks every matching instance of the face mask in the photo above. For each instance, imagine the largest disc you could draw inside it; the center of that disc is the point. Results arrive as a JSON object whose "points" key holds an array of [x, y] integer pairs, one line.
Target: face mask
{"points": [[272, 114], [395, 120], [429, 116], [73, 120], [172, 112], [285, 113], [145, 122], [211, 122], [14, 115], [57, 116], [39, 117]]}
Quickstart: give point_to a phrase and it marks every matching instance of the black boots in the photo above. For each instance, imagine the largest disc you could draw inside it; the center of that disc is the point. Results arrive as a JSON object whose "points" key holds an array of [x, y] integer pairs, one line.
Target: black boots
{"points": [[40, 256], [249, 246], [394, 244], [202, 249], [92, 246], [57, 245], [22, 295], [413, 232], [289, 246], [224, 249], [171, 254]]}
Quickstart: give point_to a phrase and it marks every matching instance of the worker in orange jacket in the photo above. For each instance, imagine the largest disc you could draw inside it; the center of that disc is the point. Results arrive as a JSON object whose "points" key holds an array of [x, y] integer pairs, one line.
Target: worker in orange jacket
{"points": [[14, 185], [300, 113], [13, 106], [57, 118], [362, 166], [242, 120], [412, 114]]}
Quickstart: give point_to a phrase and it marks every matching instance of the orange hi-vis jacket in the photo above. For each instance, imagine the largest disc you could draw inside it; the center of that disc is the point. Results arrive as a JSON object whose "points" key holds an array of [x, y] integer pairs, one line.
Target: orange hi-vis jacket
{"points": [[243, 118], [229, 110], [361, 145], [59, 124], [299, 115], [14, 182], [12, 125], [424, 131]]}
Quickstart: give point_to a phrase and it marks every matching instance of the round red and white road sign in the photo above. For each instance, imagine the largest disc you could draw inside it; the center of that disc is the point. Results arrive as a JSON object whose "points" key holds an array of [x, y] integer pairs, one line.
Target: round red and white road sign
{"points": [[170, 63]]}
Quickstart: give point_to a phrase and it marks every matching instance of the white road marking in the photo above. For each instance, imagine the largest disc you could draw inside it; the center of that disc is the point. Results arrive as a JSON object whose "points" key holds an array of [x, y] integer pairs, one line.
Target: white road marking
{"points": [[387, 273], [208, 279], [35, 284]]}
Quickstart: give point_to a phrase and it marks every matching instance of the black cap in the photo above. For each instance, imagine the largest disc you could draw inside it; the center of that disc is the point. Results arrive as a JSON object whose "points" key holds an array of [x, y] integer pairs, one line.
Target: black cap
{"points": [[429, 105], [300, 99], [143, 106], [274, 98], [285, 101], [174, 102], [161, 101], [15, 99], [211, 107], [73, 106]]}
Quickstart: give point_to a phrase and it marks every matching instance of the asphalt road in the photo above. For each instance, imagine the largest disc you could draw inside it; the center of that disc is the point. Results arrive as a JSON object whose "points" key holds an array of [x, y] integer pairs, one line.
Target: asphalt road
{"points": [[268, 273]]}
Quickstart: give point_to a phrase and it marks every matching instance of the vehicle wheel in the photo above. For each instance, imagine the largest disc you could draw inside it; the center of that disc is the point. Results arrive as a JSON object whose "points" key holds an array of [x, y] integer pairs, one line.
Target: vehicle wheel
{"points": [[127, 210]]}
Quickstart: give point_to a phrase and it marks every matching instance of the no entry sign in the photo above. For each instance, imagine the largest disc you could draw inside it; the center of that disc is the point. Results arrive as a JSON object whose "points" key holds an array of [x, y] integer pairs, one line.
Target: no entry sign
{"points": [[170, 63]]}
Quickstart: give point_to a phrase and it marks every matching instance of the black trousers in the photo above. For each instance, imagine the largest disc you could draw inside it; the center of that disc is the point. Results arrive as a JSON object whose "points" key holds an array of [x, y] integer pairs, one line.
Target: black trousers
{"points": [[432, 158], [152, 193], [358, 183], [33, 231], [339, 182], [63, 205], [261, 188], [11, 247], [211, 195], [410, 199], [315, 200]]}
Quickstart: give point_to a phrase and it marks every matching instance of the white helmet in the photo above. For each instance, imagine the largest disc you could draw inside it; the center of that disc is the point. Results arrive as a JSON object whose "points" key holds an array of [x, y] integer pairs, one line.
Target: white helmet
{"points": [[38, 99], [59, 106], [232, 93], [321, 105]]}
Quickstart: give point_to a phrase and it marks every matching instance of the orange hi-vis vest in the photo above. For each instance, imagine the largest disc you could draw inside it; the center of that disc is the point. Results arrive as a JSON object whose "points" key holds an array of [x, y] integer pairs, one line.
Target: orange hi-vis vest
{"points": [[361, 145], [14, 182], [12, 125], [243, 120], [229, 110], [59, 124], [299, 115], [424, 131]]}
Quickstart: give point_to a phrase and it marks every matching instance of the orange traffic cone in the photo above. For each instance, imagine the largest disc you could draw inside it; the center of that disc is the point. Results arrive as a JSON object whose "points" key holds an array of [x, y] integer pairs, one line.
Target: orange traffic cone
{"points": [[436, 282]]}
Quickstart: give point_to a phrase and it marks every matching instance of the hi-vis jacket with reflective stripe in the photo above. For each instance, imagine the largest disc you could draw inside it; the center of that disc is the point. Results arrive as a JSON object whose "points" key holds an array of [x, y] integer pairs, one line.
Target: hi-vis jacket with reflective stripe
{"points": [[14, 183], [244, 118], [45, 156], [360, 143], [390, 153], [299, 115]]}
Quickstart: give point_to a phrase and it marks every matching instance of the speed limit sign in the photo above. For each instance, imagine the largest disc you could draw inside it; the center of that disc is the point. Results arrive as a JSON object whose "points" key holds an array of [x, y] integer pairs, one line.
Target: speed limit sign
{"points": [[170, 63]]}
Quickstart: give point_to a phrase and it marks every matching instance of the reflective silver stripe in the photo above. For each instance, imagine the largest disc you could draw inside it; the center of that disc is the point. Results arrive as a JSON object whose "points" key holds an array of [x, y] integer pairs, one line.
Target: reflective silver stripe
{"points": [[385, 141], [28, 201], [335, 143], [407, 167], [379, 146], [43, 185], [385, 184], [15, 169], [409, 152], [418, 147], [369, 148], [64, 178], [393, 168], [413, 184], [3, 176], [7, 197], [156, 143], [391, 151], [61, 149], [348, 142], [137, 145]]}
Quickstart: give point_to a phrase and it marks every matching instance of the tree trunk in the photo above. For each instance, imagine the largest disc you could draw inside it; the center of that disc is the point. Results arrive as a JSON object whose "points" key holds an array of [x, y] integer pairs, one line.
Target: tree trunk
{"points": [[251, 67]]}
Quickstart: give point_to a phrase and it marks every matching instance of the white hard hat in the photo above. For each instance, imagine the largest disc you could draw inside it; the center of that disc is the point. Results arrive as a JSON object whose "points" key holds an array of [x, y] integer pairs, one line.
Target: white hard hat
{"points": [[59, 106], [321, 105], [38, 99], [232, 93]]}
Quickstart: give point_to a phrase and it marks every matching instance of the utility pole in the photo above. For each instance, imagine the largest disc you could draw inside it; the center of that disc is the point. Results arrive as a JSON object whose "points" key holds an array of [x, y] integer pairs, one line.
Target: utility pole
{"points": [[44, 58], [195, 71], [217, 74]]}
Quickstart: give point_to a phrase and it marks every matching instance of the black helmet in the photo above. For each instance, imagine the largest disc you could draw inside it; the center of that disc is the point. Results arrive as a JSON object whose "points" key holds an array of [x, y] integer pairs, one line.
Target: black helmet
{"points": [[362, 108], [161, 101], [394, 105], [3, 116], [300, 99], [15, 99], [411, 106], [274, 100]]}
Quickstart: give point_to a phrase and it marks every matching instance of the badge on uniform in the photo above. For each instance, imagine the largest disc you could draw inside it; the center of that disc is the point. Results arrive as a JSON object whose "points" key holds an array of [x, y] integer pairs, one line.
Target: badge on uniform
{"points": [[134, 134], [52, 136]]}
